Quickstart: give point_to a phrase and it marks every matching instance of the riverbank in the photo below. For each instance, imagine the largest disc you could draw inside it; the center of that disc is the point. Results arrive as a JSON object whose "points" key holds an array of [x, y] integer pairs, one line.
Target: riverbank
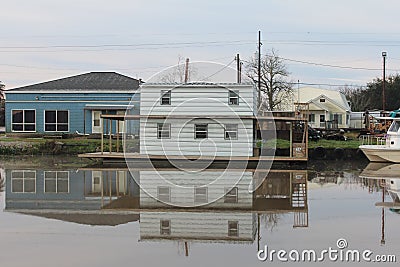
{"points": [[46, 146], [322, 149]]}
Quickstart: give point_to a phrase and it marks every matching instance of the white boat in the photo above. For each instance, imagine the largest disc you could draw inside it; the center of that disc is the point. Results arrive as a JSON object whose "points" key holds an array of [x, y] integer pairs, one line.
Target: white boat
{"points": [[390, 150]]}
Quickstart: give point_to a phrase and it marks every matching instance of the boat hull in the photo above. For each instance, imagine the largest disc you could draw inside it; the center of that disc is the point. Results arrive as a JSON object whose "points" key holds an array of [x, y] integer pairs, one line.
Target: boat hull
{"points": [[377, 153]]}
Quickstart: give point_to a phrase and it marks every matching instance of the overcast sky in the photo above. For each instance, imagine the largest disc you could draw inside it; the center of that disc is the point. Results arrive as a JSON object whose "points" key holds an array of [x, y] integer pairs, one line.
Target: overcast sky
{"points": [[46, 39]]}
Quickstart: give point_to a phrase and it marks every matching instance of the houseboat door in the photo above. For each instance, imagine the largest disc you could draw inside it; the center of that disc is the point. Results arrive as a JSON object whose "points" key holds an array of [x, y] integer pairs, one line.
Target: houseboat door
{"points": [[96, 121]]}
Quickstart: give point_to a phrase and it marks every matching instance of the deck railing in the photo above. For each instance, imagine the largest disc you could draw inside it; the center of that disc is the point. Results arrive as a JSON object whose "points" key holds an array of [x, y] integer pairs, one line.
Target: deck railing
{"points": [[372, 140]]}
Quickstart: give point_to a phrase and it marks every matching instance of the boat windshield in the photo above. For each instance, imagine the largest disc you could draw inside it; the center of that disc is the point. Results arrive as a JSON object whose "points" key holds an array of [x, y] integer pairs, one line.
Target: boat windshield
{"points": [[394, 127]]}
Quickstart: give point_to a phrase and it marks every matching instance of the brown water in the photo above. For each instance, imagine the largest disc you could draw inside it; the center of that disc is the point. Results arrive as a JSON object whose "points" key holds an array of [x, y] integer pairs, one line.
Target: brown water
{"points": [[63, 216]]}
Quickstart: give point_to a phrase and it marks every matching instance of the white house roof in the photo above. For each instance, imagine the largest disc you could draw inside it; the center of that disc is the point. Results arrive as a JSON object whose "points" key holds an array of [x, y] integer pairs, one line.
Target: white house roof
{"points": [[312, 95]]}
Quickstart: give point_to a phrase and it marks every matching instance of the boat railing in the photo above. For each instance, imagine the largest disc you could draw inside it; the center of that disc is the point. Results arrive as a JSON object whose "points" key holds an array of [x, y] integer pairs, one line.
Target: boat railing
{"points": [[372, 140]]}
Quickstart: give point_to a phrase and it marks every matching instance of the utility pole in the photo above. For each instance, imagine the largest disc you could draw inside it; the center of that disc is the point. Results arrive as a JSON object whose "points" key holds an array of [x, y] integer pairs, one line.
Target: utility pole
{"points": [[238, 68], [384, 80], [187, 70], [259, 69]]}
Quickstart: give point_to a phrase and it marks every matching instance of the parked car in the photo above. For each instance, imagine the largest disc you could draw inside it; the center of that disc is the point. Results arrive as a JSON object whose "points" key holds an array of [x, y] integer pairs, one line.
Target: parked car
{"points": [[313, 134]]}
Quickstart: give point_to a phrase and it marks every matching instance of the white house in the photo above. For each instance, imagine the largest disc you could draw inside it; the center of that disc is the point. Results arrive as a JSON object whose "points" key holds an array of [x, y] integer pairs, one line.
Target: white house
{"points": [[327, 108], [197, 119]]}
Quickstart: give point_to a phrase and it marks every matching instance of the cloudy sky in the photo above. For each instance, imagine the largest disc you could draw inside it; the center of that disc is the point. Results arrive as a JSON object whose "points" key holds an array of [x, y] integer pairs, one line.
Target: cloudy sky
{"points": [[324, 42]]}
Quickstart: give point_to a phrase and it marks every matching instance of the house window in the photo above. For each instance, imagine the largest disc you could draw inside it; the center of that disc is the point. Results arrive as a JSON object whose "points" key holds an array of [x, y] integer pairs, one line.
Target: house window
{"points": [[56, 120], [231, 195], [165, 227], [200, 195], [163, 130], [164, 194], [200, 131], [23, 181], [322, 100], [231, 131], [23, 120], [311, 118], [165, 97], [321, 118], [56, 181], [337, 118], [233, 228], [233, 98]]}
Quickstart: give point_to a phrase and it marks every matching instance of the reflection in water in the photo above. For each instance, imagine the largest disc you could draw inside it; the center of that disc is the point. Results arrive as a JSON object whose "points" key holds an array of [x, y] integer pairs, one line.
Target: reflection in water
{"points": [[112, 197], [192, 212]]}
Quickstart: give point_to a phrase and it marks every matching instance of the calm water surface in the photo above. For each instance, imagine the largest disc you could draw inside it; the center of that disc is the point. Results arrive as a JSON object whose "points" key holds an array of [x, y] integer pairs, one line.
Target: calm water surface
{"points": [[60, 213]]}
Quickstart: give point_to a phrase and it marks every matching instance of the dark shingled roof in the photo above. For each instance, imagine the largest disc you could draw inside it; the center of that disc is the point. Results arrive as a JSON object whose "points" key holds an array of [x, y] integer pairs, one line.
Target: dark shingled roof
{"points": [[92, 81]]}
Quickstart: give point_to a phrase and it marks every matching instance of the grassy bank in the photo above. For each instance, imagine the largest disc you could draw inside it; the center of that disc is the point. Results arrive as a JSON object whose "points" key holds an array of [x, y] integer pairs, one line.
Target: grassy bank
{"points": [[282, 144], [42, 146]]}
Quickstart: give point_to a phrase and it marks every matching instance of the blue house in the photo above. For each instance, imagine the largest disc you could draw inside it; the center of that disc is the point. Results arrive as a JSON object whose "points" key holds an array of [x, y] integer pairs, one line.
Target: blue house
{"points": [[72, 104]]}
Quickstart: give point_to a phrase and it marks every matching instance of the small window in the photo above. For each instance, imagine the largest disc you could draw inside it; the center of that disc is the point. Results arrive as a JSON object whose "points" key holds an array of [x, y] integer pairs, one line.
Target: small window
{"points": [[165, 227], [56, 181], [233, 228], [322, 100], [321, 118], [200, 195], [311, 118], [164, 194], [200, 131], [231, 131], [56, 121], [233, 98], [23, 181], [165, 97], [231, 195], [163, 130], [23, 120]]}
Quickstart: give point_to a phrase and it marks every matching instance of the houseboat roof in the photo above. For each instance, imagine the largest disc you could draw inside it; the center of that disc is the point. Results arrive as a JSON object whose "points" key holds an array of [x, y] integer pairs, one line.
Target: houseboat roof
{"points": [[91, 81], [198, 84]]}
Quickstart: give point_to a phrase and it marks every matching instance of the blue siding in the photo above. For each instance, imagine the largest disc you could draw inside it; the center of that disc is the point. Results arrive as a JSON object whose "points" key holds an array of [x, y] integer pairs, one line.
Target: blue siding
{"points": [[73, 102]]}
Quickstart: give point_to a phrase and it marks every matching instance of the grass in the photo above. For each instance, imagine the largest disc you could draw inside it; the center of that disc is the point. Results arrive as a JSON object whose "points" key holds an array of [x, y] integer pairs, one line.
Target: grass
{"points": [[35, 146], [282, 144]]}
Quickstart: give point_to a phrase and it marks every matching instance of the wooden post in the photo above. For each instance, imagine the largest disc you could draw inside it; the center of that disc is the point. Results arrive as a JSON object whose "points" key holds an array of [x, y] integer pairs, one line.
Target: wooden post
{"points": [[117, 136], [110, 139], [102, 135]]}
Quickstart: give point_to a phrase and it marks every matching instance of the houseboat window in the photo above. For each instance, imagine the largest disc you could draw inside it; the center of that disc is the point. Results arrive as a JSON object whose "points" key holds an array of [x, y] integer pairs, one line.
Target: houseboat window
{"points": [[394, 127], [200, 195], [164, 193], [321, 118], [56, 181], [23, 181], [233, 98], [165, 227], [56, 121], [200, 131], [23, 120], [233, 228], [231, 131], [231, 195], [165, 97], [311, 118], [322, 100], [163, 130]]}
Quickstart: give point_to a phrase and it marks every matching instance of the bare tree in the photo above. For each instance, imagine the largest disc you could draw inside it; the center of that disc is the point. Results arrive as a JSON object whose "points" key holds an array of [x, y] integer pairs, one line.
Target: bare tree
{"points": [[176, 74], [276, 89], [2, 87]]}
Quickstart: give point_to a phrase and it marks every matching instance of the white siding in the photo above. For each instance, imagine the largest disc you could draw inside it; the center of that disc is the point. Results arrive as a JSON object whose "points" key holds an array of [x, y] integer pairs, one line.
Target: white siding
{"points": [[182, 185], [183, 141], [197, 225], [200, 100]]}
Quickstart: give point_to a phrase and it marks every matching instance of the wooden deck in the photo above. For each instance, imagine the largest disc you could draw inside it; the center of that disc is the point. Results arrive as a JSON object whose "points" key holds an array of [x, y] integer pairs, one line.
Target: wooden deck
{"points": [[119, 155]]}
